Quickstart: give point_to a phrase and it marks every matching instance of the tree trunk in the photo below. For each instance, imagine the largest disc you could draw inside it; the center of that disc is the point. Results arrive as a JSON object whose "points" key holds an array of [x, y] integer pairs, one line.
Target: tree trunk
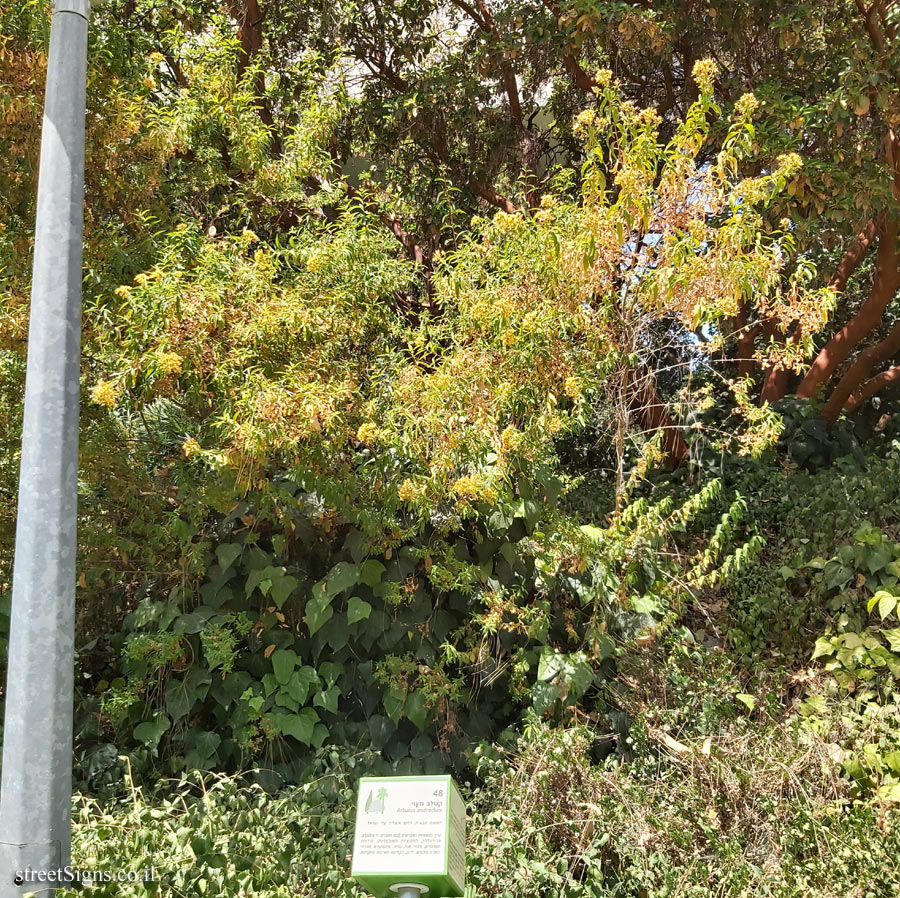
{"points": [[835, 352], [654, 416]]}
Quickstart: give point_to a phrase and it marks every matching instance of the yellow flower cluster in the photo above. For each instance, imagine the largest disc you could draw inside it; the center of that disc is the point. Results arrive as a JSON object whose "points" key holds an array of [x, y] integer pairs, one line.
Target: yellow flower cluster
{"points": [[704, 73], [746, 106], [789, 163], [409, 492], [507, 222], [572, 388], [190, 447], [511, 438], [104, 393], [368, 433], [753, 190], [171, 363], [584, 121], [631, 180], [472, 488], [124, 291], [603, 77], [249, 236], [649, 116]]}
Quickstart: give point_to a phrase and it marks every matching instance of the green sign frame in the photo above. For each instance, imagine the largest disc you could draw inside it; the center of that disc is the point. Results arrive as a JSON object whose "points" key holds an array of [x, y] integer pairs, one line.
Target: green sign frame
{"points": [[410, 830]]}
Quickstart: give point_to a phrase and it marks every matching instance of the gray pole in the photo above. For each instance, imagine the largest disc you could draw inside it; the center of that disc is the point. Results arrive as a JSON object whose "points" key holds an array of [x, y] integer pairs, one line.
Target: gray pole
{"points": [[36, 786]]}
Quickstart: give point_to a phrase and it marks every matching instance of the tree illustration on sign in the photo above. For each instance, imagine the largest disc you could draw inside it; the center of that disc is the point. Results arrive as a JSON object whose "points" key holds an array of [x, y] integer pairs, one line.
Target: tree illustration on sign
{"points": [[376, 805]]}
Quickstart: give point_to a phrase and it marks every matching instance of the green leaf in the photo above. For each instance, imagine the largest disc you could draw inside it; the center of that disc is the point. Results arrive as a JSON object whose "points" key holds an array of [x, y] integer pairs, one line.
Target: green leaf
{"points": [[329, 671], [749, 701], [357, 610], [893, 638], [227, 554], [815, 704], [194, 621], [301, 683], [886, 604], [578, 675], [394, 700], [890, 792], [318, 613], [320, 734], [370, 572], [823, 647], [151, 731], [342, 576], [550, 664], [878, 556], [543, 696], [179, 698], [256, 577], [205, 745], [283, 663], [416, 709], [646, 604], [328, 699], [284, 699], [300, 725], [594, 534], [283, 588]]}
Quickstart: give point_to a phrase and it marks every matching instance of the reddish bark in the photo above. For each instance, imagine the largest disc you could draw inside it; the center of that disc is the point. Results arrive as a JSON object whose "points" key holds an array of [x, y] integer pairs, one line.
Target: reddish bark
{"points": [[249, 21], [855, 377], [249, 18], [746, 342], [654, 416], [871, 387], [486, 192], [776, 384], [838, 348], [574, 70]]}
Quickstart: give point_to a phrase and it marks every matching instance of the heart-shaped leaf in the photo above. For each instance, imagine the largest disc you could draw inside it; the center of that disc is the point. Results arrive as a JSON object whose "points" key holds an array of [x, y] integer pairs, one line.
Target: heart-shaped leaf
{"points": [[283, 663], [357, 610], [300, 725], [283, 588]]}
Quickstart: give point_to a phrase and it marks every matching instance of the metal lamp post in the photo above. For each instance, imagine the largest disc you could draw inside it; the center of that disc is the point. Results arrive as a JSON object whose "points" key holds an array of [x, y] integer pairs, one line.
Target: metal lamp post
{"points": [[36, 786]]}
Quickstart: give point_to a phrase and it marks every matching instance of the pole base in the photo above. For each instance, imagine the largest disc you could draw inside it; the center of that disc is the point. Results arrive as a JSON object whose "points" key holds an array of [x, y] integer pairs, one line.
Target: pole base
{"points": [[409, 889]]}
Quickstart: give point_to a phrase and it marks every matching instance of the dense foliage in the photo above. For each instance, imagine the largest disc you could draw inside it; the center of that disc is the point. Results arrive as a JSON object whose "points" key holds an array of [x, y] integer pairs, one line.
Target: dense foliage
{"points": [[501, 387]]}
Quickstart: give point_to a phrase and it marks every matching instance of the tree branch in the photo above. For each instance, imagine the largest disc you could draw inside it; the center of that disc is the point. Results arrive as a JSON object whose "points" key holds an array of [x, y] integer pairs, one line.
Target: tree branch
{"points": [[871, 387], [485, 21], [855, 376], [869, 316]]}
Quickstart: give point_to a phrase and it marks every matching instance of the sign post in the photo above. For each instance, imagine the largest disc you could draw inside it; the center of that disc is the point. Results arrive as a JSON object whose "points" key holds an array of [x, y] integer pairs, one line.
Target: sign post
{"points": [[410, 837], [36, 793]]}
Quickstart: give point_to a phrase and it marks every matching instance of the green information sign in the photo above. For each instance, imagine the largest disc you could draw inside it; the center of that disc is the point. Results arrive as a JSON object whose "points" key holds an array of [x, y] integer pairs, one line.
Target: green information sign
{"points": [[411, 831]]}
